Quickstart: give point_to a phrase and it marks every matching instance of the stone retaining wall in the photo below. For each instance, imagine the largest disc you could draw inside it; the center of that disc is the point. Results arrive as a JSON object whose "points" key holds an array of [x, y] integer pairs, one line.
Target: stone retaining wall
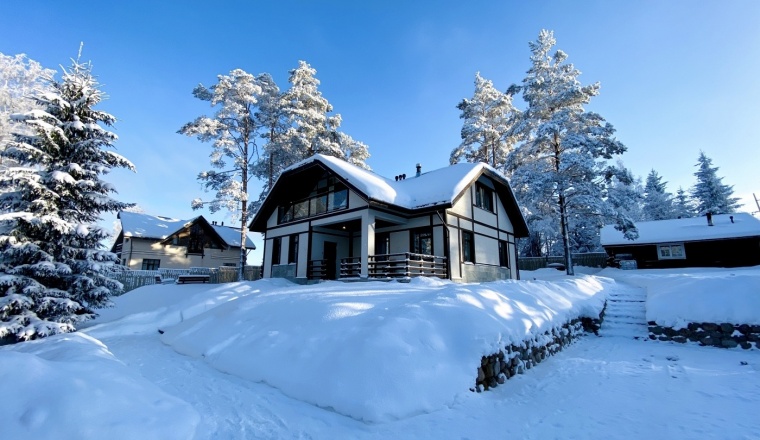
{"points": [[709, 334], [514, 359]]}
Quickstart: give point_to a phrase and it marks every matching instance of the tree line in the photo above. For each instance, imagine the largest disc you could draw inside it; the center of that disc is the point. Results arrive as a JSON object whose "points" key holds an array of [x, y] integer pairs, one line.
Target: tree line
{"points": [[556, 155]]}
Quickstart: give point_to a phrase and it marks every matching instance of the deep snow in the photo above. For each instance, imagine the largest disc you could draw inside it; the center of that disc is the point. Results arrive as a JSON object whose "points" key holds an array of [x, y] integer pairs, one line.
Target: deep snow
{"points": [[118, 378]]}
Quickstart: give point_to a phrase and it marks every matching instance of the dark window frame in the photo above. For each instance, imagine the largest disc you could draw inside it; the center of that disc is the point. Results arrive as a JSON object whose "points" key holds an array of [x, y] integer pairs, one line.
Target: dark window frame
{"points": [[151, 263], [484, 197], [293, 249], [468, 246], [504, 253], [276, 250], [415, 240], [327, 193]]}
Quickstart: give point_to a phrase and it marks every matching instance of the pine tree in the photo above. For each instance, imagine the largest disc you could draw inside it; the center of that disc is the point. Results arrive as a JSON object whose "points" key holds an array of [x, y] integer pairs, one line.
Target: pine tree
{"points": [[488, 118], [709, 193], [625, 193], [21, 80], [561, 160], [658, 204], [313, 130], [233, 131], [51, 260], [682, 207]]}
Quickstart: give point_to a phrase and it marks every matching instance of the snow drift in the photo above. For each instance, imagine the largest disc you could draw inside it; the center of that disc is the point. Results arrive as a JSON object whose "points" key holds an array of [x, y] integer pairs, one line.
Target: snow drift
{"points": [[378, 351]]}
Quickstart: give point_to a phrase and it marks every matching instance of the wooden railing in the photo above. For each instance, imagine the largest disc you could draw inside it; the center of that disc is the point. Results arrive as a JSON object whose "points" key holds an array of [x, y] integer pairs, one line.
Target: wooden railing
{"points": [[317, 269], [401, 265]]}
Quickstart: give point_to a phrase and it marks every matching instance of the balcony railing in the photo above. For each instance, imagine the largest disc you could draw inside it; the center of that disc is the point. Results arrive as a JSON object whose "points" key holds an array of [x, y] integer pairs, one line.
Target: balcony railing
{"points": [[317, 270], [400, 265]]}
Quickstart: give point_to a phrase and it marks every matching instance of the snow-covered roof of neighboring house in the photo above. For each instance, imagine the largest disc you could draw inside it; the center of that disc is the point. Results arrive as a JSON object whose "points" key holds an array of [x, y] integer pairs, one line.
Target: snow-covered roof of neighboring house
{"points": [[157, 227], [135, 224], [686, 229], [436, 187]]}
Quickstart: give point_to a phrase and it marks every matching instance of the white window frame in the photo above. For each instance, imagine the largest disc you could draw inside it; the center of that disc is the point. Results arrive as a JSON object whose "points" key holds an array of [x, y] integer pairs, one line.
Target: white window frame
{"points": [[668, 253]]}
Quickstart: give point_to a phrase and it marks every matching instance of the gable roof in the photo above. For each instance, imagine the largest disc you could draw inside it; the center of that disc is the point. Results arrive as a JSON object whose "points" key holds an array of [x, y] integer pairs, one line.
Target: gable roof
{"points": [[686, 229], [157, 227], [437, 188]]}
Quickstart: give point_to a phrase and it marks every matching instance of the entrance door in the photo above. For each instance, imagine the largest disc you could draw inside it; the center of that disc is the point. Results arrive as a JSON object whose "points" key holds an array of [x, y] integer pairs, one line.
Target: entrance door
{"points": [[330, 254]]}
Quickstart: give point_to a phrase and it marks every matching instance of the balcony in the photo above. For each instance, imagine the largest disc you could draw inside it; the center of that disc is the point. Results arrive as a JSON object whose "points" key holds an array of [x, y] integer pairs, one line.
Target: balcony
{"points": [[390, 266]]}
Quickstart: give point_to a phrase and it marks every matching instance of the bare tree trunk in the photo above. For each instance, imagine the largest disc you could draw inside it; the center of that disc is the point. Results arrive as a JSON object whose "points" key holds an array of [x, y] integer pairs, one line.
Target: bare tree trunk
{"points": [[565, 234], [244, 210], [563, 211]]}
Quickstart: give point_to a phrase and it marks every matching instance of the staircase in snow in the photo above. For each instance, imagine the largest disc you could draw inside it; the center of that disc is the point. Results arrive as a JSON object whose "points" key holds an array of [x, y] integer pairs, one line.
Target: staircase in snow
{"points": [[625, 315]]}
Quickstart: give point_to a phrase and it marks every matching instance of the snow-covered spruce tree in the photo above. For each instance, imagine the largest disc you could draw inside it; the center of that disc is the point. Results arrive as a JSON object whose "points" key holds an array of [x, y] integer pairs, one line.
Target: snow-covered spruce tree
{"points": [[682, 207], [709, 193], [21, 80], [562, 157], [488, 118], [312, 130], [625, 193], [658, 203], [51, 257], [233, 131]]}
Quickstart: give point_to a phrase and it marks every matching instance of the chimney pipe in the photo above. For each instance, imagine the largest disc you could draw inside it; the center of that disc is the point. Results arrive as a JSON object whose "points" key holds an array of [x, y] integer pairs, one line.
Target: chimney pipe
{"points": [[709, 219], [419, 169]]}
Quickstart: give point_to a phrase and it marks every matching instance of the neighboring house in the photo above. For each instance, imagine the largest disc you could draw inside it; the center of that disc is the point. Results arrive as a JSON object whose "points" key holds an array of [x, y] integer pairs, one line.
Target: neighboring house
{"points": [[726, 240], [328, 219], [150, 242]]}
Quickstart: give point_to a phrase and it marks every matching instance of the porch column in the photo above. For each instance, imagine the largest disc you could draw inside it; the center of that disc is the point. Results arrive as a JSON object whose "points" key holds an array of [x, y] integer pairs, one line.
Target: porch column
{"points": [[368, 241]]}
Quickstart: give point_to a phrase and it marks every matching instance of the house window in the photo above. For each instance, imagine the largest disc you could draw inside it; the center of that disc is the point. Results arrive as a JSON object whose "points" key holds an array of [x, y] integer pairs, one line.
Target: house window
{"points": [[276, 249], [229, 264], [328, 195], [503, 253], [150, 264], [483, 197], [195, 240], [468, 247], [671, 251], [293, 249], [422, 241]]}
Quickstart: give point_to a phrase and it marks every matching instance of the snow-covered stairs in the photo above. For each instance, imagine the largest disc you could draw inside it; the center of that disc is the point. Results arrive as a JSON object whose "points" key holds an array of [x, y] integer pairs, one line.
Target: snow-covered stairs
{"points": [[625, 315]]}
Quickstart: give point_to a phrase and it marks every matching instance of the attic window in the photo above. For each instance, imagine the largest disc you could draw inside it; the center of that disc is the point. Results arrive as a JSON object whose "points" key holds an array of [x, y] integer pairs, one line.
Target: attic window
{"points": [[674, 251], [483, 197], [195, 240]]}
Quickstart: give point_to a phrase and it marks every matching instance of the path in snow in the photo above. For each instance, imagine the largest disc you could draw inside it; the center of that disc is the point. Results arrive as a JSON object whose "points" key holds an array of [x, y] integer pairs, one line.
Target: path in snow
{"points": [[625, 315]]}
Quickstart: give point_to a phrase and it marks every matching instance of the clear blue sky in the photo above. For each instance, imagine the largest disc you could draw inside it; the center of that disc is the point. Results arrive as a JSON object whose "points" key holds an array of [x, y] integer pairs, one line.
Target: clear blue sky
{"points": [[676, 76]]}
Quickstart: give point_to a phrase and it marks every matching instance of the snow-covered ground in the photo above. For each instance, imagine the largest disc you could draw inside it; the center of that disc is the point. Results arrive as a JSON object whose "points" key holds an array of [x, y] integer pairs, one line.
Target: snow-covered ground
{"points": [[270, 359]]}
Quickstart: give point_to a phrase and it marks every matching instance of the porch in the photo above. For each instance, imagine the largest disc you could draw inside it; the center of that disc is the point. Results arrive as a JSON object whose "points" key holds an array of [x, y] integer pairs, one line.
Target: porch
{"points": [[383, 266]]}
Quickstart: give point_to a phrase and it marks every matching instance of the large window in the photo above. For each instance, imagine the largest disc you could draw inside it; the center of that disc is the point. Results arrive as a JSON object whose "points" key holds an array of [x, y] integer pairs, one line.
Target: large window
{"points": [[671, 251], [503, 253], [329, 194], [468, 247], [293, 249], [483, 197], [422, 241], [276, 250], [150, 264]]}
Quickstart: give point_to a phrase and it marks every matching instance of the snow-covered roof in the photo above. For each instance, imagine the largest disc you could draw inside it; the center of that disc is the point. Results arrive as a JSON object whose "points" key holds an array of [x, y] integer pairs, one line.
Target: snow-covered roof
{"points": [[432, 188], [155, 226], [686, 229], [135, 224]]}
